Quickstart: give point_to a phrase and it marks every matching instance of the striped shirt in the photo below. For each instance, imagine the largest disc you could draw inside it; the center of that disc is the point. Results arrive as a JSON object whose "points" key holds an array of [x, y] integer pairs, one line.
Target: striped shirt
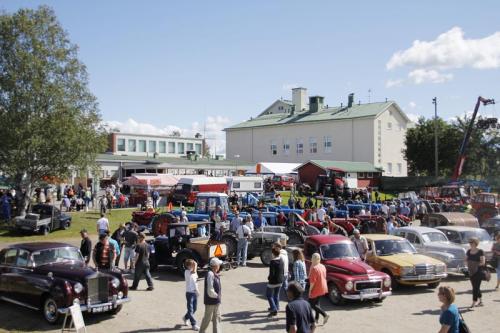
{"points": [[299, 272]]}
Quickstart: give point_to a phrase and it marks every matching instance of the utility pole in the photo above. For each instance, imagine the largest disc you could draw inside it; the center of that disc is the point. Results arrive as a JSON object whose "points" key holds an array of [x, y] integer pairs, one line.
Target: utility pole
{"points": [[436, 160]]}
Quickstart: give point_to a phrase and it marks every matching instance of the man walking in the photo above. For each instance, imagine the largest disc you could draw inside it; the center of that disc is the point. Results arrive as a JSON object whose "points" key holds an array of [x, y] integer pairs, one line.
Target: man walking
{"points": [[299, 316], [243, 233], [130, 236], [212, 298], [85, 246], [142, 263], [102, 225]]}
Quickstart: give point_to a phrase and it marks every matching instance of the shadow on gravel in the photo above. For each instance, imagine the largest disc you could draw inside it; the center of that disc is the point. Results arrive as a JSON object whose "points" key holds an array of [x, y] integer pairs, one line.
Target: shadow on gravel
{"points": [[254, 318], [258, 288], [176, 328], [436, 312]]}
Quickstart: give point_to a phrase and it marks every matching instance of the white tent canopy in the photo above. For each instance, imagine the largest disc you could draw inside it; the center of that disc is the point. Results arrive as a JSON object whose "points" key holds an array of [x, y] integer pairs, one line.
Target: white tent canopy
{"points": [[270, 168]]}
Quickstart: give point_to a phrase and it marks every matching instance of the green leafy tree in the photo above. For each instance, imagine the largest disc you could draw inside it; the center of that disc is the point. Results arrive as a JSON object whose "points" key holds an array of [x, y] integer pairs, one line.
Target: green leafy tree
{"points": [[50, 120]]}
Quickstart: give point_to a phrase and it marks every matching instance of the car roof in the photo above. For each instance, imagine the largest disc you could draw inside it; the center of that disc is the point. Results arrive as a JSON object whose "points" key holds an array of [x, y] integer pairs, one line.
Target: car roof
{"points": [[328, 239], [38, 246], [421, 230], [376, 237], [457, 228]]}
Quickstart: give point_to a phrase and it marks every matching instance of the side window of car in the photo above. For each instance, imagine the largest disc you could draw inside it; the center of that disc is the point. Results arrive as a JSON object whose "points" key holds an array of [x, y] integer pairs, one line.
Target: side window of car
{"points": [[23, 258], [411, 237], [10, 257], [453, 236]]}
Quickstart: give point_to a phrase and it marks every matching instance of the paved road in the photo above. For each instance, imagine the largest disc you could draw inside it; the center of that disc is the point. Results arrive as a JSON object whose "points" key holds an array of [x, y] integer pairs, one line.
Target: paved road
{"points": [[244, 309]]}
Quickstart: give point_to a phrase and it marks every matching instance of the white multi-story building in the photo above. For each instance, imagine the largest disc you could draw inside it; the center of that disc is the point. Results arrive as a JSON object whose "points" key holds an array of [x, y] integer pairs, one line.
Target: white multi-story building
{"points": [[153, 145], [294, 131]]}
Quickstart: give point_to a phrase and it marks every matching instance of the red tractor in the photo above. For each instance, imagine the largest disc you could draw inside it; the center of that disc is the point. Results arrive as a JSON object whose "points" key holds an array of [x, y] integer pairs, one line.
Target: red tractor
{"points": [[485, 206]]}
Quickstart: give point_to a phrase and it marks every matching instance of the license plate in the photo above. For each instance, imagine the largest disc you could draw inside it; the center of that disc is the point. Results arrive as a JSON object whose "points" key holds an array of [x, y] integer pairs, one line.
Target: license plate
{"points": [[103, 308], [425, 277], [369, 291]]}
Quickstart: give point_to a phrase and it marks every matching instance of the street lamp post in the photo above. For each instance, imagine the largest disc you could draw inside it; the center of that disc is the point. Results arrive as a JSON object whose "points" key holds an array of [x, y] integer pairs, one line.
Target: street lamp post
{"points": [[436, 161]]}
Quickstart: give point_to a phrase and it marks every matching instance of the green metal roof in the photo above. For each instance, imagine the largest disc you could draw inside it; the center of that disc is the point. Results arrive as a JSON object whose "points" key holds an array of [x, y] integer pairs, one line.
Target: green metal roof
{"points": [[171, 160], [332, 113], [346, 166]]}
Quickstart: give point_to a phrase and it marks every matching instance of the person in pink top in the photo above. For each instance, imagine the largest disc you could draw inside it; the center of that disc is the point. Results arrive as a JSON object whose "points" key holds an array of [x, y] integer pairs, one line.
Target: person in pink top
{"points": [[317, 286]]}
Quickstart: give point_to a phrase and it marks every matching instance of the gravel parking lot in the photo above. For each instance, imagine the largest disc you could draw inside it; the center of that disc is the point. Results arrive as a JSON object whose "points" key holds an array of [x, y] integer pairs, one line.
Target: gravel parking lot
{"points": [[244, 309]]}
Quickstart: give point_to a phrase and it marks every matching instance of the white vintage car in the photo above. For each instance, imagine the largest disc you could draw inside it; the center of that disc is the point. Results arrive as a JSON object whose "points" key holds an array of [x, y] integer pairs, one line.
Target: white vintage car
{"points": [[435, 244]]}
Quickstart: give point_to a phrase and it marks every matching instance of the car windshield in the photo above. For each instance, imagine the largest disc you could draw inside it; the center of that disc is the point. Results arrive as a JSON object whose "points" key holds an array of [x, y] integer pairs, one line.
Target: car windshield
{"points": [[391, 246], [340, 250], [478, 233], [434, 237], [61, 254]]}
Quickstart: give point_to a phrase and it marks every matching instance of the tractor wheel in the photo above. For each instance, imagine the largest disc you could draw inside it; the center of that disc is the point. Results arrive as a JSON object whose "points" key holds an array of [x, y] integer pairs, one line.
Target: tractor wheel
{"points": [[266, 256], [180, 261]]}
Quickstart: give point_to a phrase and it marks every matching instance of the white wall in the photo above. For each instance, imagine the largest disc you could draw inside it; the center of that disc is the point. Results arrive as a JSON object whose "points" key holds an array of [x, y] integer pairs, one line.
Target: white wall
{"points": [[138, 137]]}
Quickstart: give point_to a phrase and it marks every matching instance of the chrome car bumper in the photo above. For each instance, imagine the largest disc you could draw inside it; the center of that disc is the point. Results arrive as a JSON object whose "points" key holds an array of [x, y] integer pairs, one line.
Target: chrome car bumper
{"points": [[362, 296], [460, 270], [99, 307], [423, 278]]}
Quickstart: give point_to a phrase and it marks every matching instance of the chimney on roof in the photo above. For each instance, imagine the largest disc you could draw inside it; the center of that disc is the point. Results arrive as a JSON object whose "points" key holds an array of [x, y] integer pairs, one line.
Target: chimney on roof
{"points": [[315, 103], [299, 98], [350, 101]]}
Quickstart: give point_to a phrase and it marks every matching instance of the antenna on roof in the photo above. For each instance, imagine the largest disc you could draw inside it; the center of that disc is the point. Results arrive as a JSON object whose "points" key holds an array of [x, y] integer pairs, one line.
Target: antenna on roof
{"points": [[386, 99], [369, 95]]}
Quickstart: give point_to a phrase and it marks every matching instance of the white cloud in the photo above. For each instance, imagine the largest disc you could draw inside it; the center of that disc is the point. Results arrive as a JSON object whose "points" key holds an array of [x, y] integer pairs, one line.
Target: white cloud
{"points": [[450, 50], [419, 76], [212, 128], [412, 105], [413, 117]]}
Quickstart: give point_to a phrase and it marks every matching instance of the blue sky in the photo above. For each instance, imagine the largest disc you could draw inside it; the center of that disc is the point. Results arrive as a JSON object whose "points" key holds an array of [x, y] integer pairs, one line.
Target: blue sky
{"points": [[157, 65]]}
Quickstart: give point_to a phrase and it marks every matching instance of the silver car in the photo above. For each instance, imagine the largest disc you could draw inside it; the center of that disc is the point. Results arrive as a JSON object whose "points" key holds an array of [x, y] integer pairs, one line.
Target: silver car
{"points": [[461, 236], [434, 243]]}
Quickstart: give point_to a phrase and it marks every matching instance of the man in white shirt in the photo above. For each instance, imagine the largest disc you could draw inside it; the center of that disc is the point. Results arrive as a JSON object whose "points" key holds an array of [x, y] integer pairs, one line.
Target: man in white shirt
{"points": [[385, 209], [243, 233], [321, 214], [361, 244], [102, 225]]}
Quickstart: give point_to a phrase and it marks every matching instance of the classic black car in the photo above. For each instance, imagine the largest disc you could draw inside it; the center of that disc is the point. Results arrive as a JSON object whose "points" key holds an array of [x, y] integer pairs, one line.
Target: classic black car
{"points": [[43, 218], [51, 277], [492, 225]]}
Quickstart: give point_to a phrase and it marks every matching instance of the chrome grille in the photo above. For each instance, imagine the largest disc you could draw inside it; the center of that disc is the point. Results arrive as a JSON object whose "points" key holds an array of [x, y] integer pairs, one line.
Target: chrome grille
{"points": [[362, 285], [97, 290], [425, 269]]}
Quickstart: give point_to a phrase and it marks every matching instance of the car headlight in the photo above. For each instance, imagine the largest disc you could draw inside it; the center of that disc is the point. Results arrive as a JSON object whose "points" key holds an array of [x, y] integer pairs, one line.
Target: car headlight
{"points": [[115, 283], [387, 282], [440, 268], [120, 295], [77, 288], [408, 270], [349, 285]]}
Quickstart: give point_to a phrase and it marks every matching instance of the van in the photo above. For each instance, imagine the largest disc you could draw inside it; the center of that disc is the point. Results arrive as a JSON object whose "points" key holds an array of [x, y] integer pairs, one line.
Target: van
{"points": [[242, 185], [283, 183], [188, 187]]}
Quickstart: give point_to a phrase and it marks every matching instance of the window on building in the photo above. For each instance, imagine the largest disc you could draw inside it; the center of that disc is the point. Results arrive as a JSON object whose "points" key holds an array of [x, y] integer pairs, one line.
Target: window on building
{"points": [[286, 147], [132, 145], [313, 146], [300, 147], [400, 168], [171, 147], [389, 168], [274, 148], [361, 175], [369, 175], [180, 147], [152, 146], [189, 146], [120, 144], [280, 107], [142, 146], [197, 148], [389, 126], [162, 147], [328, 144]]}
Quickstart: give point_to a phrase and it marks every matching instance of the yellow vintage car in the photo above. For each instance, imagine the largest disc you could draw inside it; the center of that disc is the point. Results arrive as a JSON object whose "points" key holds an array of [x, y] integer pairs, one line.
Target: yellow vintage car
{"points": [[398, 258]]}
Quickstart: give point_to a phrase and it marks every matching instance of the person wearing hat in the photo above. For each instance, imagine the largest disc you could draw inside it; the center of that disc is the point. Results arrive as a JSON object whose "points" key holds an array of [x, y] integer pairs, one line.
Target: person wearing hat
{"points": [[85, 246], [361, 244], [212, 297]]}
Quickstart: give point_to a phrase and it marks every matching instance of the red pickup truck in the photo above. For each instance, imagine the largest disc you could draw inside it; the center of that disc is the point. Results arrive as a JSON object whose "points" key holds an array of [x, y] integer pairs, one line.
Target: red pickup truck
{"points": [[349, 278], [283, 183]]}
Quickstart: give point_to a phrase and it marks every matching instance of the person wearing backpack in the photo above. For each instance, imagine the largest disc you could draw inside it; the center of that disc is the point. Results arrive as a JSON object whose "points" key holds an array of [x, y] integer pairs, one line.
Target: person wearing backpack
{"points": [[449, 317]]}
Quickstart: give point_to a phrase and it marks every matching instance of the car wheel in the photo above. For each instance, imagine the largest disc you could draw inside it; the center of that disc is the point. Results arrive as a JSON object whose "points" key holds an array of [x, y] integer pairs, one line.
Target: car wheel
{"points": [[116, 310], [50, 312], [433, 285], [65, 225], [266, 256], [334, 294], [45, 230]]}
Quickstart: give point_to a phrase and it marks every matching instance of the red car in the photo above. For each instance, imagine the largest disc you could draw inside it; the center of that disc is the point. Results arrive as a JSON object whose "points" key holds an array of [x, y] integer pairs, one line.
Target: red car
{"points": [[349, 278], [283, 183]]}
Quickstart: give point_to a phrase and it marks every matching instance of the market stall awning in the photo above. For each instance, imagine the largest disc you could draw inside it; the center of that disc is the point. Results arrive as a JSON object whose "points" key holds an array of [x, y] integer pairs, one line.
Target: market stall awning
{"points": [[151, 180]]}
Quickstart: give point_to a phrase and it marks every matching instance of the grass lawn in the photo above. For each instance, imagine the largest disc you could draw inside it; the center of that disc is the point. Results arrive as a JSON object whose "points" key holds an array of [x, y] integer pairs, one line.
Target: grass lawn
{"points": [[80, 220]]}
